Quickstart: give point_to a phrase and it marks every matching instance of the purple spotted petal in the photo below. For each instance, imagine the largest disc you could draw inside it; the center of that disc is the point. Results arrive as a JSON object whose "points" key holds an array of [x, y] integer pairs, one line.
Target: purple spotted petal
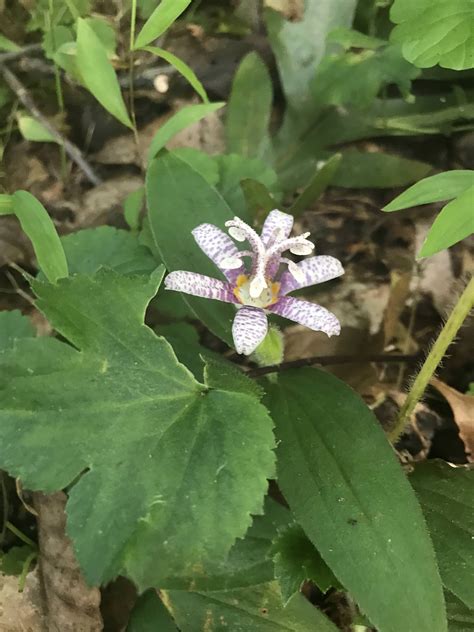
{"points": [[277, 223], [249, 329], [217, 245], [308, 314], [200, 285], [315, 270]]}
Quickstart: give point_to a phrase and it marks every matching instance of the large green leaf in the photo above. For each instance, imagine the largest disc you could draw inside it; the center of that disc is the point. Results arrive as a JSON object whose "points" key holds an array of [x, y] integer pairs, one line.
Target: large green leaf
{"points": [[39, 227], [152, 456], [357, 78], [248, 563], [89, 249], [435, 32], [346, 489], [446, 495], [234, 168], [378, 170], [442, 186], [98, 73], [460, 617], [296, 560], [173, 185], [256, 609], [14, 325], [184, 117], [249, 108], [150, 615], [162, 18], [299, 46], [454, 223]]}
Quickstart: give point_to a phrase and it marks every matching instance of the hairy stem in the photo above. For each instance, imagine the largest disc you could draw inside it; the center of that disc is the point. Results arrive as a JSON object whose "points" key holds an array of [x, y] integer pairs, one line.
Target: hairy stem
{"points": [[445, 338], [133, 22]]}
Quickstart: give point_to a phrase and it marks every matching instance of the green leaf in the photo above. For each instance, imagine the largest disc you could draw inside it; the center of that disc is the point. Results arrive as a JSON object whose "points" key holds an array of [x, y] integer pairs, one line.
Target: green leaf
{"points": [[460, 618], [201, 162], [258, 199], [8, 45], [359, 512], [33, 130], [446, 495], [350, 38], [183, 68], [162, 18], [172, 184], [316, 186], [14, 325], [442, 186], [300, 46], [357, 78], [454, 223], [249, 108], [258, 609], [148, 453], [378, 170], [150, 615], [89, 249], [188, 115], [39, 227], [98, 74], [13, 561], [132, 208], [56, 37], [248, 563], [435, 32], [218, 373], [296, 560], [105, 33], [234, 168], [6, 204]]}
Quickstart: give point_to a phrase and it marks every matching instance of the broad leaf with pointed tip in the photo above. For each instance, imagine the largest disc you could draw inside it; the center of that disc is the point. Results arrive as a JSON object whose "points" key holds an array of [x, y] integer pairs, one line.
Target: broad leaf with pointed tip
{"points": [[14, 325], [259, 609], [343, 483], [160, 466]]}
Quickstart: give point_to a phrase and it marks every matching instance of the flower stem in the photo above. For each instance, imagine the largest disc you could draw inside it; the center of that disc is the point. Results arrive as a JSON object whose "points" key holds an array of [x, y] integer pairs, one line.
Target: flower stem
{"points": [[445, 338], [19, 534], [133, 21]]}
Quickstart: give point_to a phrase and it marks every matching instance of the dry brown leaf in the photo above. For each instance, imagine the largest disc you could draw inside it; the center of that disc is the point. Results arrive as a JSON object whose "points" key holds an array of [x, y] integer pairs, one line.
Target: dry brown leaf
{"points": [[71, 605], [99, 203], [206, 135], [463, 411]]}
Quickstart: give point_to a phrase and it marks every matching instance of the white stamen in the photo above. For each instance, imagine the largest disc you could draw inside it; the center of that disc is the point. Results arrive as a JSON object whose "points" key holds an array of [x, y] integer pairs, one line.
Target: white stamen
{"points": [[237, 233], [303, 248], [296, 272], [230, 263], [257, 286]]}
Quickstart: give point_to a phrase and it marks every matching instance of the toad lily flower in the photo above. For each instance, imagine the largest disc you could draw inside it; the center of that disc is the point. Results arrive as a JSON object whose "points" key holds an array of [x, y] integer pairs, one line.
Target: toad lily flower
{"points": [[259, 287]]}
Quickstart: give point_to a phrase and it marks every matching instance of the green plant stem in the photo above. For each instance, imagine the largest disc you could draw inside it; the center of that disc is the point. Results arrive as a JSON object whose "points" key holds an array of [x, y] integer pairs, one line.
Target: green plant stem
{"points": [[58, 87], [131, 91], [21, 536], [460, 312], [25, 569]]}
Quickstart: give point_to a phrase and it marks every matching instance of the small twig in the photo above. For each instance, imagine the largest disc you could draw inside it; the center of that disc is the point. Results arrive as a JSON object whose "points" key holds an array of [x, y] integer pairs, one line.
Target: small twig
{"points": [[16, 54], [333, 359], [72, 150]]}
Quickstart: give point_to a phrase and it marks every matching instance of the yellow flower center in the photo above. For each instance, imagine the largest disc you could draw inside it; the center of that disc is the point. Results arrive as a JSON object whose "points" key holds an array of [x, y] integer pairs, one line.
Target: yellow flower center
{"points": [[269, 295]]}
